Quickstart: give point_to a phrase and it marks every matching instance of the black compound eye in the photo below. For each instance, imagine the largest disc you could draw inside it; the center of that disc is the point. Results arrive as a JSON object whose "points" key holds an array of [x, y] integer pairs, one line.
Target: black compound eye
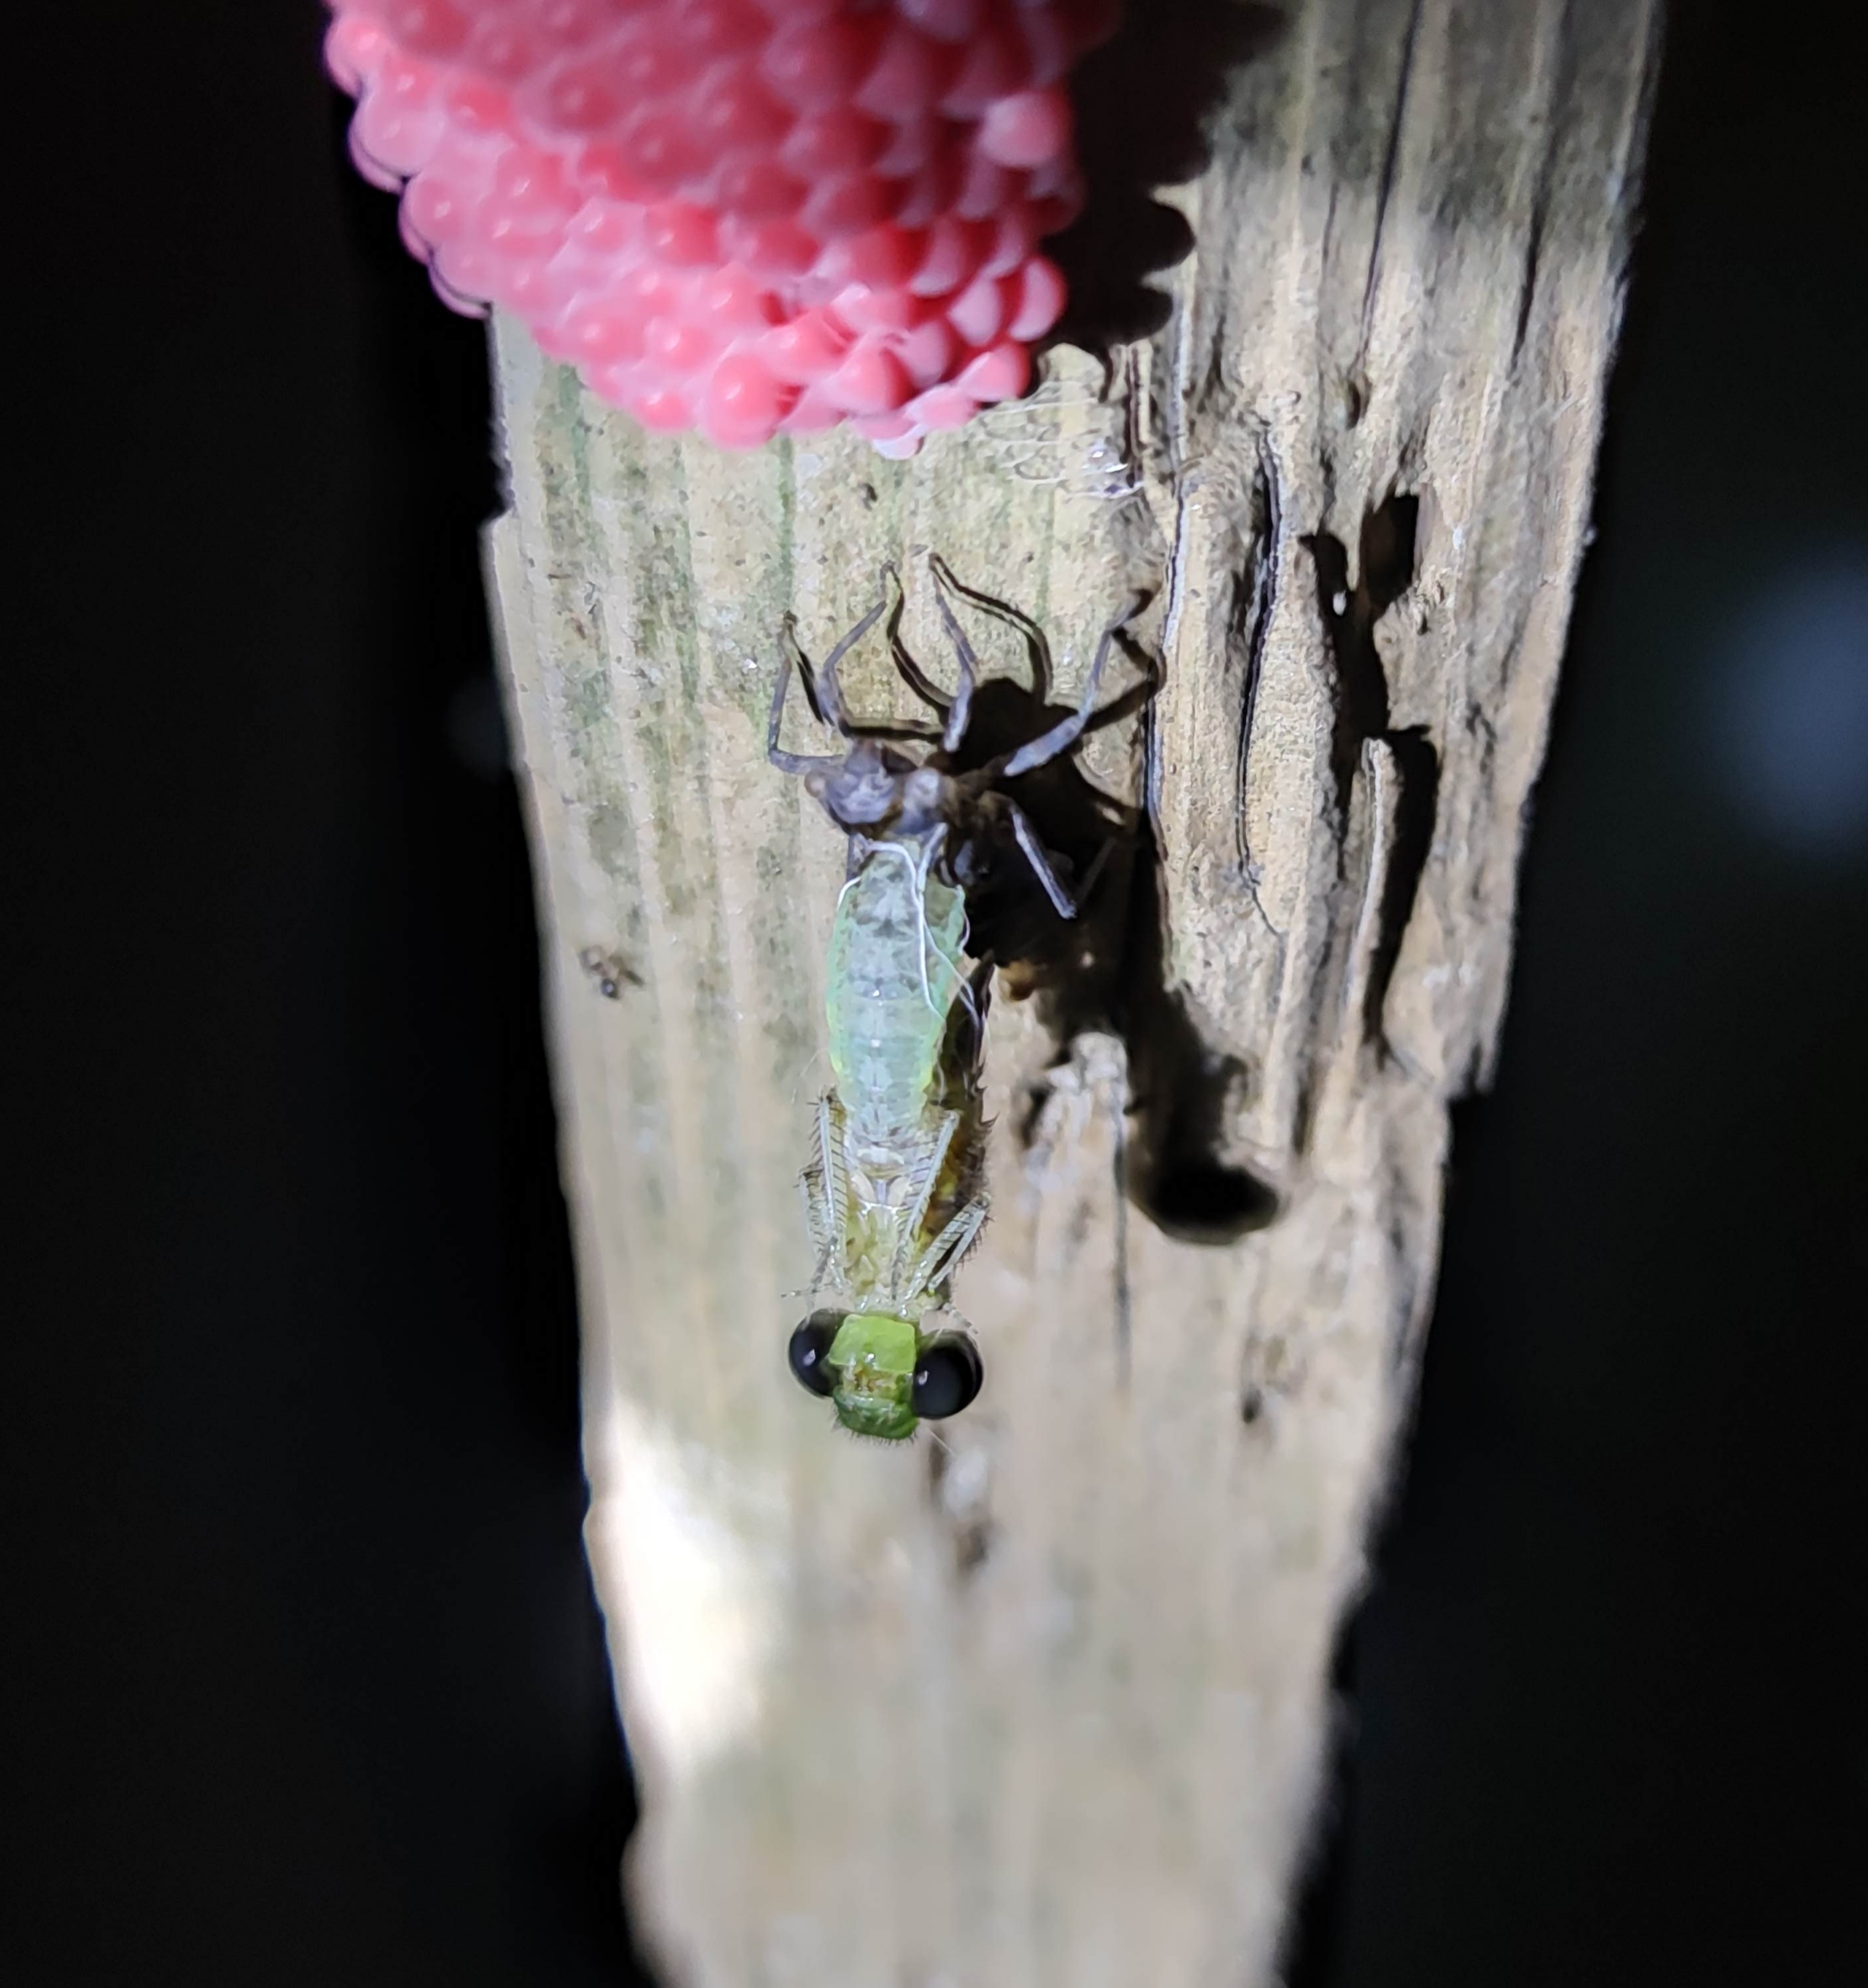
{"points": [[946, 1375], [808, 1351]]}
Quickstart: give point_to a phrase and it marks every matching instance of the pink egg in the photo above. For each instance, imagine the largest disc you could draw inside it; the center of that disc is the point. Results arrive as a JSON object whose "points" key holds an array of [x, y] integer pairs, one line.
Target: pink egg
{"points": [[475, 105], [663, 410], [909, 76], [1002, 374], [1026, 128], [979, 311], [813, 64], [848, 204], [604, 231], [1051, 43], [681, 234], [735, 112], [872, 380], [435, 209], [1040, 300], [886, 428], [503, 47], [986, 187], [838, 140], [603, 168], [660, 148], [464, 270], [994, 65], [650, 60], [530, 182], [426, 27], [884, 259], [734, 301], [932, 192], [955, 250], [753, 216], [942, 407], [928, 353], [774, 249], [373, 170], [600, 331], [805, 349], [570, 23], [945, 20], [578, 96], [678, 346], [864, 309], [744, 404], [455, 300], [713, 29], [354, 48], [813, 414], [912, 142], [1014, 236], [411, 240]]}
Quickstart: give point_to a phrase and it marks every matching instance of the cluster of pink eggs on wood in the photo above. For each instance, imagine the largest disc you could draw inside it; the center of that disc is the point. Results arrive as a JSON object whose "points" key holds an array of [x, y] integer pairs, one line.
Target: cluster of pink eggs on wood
{"points": [[748, 216]]}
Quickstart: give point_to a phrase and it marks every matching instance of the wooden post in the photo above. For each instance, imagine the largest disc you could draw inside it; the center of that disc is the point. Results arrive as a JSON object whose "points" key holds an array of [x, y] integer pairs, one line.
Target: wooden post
{"points": [[1046, 1704]]}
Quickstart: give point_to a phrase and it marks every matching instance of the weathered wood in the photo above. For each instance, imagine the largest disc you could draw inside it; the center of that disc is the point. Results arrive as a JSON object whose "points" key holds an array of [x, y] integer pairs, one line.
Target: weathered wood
{"points": [[1047, 1706]]}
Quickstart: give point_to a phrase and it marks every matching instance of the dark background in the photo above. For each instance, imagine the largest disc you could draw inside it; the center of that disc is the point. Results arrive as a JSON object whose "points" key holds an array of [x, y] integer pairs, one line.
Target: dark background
{"points": [[303, 1681]]}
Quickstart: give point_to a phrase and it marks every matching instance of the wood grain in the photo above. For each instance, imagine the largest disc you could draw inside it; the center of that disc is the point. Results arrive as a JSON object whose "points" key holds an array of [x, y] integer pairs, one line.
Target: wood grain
{"points": [[1047, 1705]]}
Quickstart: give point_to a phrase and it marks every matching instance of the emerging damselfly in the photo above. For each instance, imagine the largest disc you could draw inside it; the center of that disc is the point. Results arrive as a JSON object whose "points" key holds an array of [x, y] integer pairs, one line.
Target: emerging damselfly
{"points": [[895, 1191]]}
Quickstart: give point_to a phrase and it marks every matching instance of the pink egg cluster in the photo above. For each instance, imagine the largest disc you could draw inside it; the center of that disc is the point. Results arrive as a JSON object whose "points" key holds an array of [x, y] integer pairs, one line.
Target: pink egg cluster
{"points": [[751, 217]]}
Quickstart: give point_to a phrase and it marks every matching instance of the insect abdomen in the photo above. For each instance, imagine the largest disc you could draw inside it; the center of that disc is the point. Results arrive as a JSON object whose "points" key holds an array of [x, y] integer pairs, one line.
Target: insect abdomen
{"points": [[894, 974]]}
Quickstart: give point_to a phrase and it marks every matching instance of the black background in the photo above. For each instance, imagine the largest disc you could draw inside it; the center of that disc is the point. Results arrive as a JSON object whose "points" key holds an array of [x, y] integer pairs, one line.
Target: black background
{"points": [[303, 1681]]}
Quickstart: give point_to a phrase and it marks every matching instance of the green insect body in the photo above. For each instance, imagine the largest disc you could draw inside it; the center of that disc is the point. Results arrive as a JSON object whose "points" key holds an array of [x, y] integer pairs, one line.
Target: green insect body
{"points": [[895, 1186], [896, 1189]]}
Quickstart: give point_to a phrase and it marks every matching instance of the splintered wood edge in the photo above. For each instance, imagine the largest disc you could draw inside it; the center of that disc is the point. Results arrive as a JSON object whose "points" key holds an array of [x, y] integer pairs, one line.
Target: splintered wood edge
{"points": [[1149, 1527]]}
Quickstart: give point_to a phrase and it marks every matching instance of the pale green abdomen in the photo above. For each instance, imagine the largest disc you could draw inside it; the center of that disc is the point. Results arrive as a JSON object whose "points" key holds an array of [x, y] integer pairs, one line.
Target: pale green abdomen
{"points": [[895, 971]]}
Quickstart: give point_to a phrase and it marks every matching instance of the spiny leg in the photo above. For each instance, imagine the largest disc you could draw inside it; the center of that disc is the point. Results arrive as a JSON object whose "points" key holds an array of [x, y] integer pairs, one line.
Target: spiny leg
{"points": [[921, 1187], [942, 1257], [829, 1208]]}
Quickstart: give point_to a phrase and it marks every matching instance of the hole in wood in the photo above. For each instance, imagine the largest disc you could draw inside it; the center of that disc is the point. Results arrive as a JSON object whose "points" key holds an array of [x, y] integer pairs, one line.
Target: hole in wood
{"points": [[1349, 614]]}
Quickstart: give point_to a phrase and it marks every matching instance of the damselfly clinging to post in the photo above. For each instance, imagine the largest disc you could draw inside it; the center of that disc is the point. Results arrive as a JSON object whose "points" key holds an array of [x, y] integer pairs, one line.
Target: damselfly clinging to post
{"points": [[895, 1188]]}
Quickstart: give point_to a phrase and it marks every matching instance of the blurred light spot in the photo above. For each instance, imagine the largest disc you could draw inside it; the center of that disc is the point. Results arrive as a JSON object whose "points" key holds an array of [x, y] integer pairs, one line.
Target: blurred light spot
{"points": [[686, 1544], [1792, 714]]}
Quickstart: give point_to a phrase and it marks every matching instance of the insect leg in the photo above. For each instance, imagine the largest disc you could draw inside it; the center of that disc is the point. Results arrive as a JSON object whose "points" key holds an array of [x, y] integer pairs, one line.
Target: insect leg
{"points": [[911, 672], [961, 709], [829, 689], [788, 762], [941, 1258], [1038, 648], [1062, 902], [830, 1212], [1049, 745], [927, 1174]]}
